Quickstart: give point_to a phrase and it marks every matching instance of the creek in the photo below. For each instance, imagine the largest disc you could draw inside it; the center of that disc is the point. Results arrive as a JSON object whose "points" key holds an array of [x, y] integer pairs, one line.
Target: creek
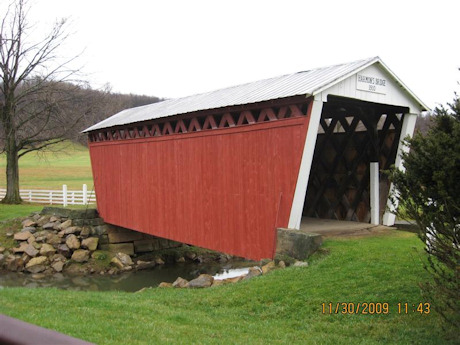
{"points": [[126, 281]]}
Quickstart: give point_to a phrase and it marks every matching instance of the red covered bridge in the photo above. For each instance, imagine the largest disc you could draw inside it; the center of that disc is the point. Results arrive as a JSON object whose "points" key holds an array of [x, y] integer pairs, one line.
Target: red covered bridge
{"points": [[223, 170]]}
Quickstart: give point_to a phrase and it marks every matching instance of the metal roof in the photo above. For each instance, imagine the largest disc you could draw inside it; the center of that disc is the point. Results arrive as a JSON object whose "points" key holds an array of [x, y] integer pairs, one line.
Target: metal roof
{"points": [[302, 83]]}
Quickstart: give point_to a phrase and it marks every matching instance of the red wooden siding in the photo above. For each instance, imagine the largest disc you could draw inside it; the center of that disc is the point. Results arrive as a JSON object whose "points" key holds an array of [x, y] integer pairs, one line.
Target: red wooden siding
{"points": [[225, 189]]}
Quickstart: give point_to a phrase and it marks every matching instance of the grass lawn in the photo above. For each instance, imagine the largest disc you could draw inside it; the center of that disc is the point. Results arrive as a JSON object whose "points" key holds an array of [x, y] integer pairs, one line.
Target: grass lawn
{"points": [[15, 211], [283, 307], [70, 165]]}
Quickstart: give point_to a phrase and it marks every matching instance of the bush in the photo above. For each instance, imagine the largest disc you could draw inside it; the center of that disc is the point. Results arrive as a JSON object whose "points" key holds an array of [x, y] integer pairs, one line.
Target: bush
{"points": [[429, 193]]}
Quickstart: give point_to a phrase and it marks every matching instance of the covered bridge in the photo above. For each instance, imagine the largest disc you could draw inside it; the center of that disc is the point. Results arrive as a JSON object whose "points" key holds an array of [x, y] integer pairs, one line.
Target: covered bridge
{"points": [[224, 169]]}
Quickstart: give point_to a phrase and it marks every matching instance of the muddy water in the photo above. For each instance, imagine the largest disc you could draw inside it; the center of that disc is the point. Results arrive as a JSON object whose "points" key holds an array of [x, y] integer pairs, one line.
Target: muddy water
{"points": [[129, 281]]}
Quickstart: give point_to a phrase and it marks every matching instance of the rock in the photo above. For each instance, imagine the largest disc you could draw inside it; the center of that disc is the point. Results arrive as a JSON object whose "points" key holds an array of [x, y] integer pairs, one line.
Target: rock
{"points": [[31, 240], [125, 259], [58, 257], [14, 264], [72, 242], [42, 233], [165, 285], [253, 272], [2, 257], [159, 261], [47, 249], [180, 260], [90, 243], [28, 223], [48, 226], [37, 265], [233, 280], [143, 246], [26, 258], [21, 249], [268, 267], [190, 255], [64, 250], [300, 264], [38, 276], [30, 229], [281, 264], [58, 266], [9, 234], [117, 262], [22, 236], [80, 255], [297, 244], [2, 249], [54, 219], [53, 239], [39, 260], [204, 280], [56, 226], [65, 224], [120, 235], [142, 265], [43, 220], [180, 283], [217, 282], [100, 229], [72, 230], [49, 211], [31, 251], [85, 231], [143, 289]]}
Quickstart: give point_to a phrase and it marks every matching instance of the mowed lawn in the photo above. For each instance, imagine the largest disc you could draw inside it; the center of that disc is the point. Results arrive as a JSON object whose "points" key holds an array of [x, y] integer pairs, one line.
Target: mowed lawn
{"points": [[282, 307], [69, 164]]}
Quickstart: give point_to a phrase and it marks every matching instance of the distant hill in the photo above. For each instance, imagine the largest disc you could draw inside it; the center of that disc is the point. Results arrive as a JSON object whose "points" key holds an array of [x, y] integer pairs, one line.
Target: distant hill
{"points": [[103, 104]]}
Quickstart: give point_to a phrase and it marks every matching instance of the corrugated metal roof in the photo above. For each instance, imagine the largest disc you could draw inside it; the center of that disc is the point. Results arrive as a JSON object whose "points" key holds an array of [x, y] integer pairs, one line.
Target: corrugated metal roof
{"points": [[301, 83]]}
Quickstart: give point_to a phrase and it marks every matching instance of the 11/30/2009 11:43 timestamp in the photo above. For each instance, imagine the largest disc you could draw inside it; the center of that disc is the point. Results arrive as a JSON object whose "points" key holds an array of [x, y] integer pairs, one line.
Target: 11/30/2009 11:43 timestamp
{"points": [[375, 308]]}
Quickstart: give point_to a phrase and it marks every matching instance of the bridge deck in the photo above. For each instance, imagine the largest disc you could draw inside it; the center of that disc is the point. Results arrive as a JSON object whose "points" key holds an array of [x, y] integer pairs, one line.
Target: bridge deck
{"points": [[340, 228]]}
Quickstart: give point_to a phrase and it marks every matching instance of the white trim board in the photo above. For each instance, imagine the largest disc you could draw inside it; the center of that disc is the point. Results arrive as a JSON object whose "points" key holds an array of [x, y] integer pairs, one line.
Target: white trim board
{"points": [[305, 165]]}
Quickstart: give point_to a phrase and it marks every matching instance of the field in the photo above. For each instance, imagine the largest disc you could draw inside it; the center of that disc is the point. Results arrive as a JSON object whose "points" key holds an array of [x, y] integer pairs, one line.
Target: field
{"points": [[283, 307], [69, 164]]}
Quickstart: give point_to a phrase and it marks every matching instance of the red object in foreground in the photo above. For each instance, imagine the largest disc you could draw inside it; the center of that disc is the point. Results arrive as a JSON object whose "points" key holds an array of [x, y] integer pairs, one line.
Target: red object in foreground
{"points": [[226, 189], [16, 332]]}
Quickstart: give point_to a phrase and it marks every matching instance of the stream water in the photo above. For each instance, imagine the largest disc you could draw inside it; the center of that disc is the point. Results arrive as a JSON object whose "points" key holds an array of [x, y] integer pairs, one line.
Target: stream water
{"points": [[128, 281]]}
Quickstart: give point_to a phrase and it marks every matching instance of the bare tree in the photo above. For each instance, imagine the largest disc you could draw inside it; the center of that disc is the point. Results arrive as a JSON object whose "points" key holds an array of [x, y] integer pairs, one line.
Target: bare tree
{"points": [[36, 88]]}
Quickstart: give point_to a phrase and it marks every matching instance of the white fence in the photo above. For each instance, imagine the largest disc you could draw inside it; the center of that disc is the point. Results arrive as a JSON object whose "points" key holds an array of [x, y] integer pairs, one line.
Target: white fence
{"points": [[57, 197]]}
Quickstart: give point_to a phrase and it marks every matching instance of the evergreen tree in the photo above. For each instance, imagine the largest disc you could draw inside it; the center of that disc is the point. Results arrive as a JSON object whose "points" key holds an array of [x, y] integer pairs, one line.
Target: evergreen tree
{"points": [[429, 193]]}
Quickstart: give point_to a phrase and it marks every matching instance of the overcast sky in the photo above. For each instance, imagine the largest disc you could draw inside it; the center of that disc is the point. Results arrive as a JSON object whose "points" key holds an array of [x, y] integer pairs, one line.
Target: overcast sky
{"points": [[178, 48]]}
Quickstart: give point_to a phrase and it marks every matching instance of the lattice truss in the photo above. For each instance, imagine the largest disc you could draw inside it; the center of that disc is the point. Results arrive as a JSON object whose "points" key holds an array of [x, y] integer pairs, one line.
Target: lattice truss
{"points": [[349, 139], [201, 121]]}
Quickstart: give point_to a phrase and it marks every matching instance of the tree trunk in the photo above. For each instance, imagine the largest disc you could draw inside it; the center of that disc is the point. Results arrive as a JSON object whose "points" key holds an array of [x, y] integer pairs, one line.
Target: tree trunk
{"points": [[12, 174]]}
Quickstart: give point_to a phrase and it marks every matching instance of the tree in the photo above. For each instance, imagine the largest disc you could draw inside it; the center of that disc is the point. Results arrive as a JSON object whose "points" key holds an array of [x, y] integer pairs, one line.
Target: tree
{"points": [[34, 91], [429, 193]]}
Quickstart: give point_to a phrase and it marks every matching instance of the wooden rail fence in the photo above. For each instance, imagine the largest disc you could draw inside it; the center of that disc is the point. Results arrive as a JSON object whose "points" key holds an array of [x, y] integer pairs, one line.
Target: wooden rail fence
{"points": [[57, 197]]}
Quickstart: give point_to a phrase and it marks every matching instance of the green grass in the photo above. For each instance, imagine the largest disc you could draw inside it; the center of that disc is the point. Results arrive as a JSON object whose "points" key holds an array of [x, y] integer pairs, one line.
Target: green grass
{"points": [[69, 164], [283, 307], [16, 211]]}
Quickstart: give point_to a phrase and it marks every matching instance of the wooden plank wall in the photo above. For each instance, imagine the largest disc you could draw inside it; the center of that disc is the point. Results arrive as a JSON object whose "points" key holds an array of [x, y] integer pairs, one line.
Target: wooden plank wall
{"points": [[226, 189]]}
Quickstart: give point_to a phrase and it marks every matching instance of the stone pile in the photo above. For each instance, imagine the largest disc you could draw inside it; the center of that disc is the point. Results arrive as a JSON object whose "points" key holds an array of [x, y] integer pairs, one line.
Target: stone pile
{"points": [[46, 243], [80, 242], [206, 280]]}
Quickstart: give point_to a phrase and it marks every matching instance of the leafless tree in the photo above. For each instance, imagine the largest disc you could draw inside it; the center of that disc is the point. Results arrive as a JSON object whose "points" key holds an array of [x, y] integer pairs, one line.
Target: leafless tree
{"points": [[36, 87]]}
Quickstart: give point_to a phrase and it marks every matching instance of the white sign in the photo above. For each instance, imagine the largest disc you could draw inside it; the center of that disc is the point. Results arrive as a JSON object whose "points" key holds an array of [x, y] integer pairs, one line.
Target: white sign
{"points": [[371, 84]]}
